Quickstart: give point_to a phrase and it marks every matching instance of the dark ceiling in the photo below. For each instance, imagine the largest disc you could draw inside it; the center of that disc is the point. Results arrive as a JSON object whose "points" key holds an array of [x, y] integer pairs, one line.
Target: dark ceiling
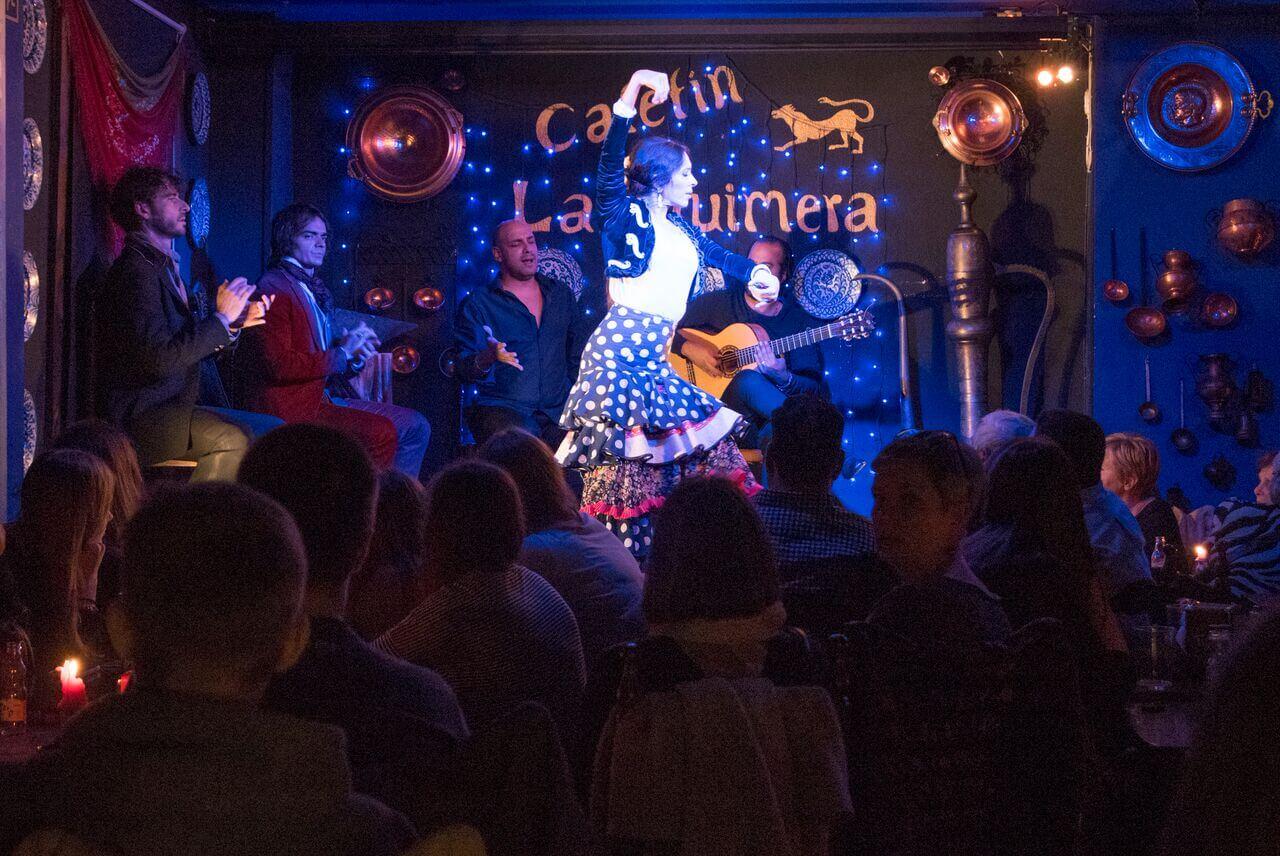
{"points": [[510, 10]]}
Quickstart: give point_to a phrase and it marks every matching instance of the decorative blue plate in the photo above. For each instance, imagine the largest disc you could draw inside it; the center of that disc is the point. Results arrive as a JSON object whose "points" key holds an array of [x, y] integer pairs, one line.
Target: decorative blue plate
{"points": [[32, 163], [35, 35], [28, 430], [1191, 106], [562, 267], [825, 285], [30, 295], [198, 219], [199, 108]]}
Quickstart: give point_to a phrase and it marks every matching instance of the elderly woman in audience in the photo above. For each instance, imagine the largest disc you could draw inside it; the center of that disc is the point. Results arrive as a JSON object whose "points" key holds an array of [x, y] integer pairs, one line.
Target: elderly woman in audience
{"points": [[927, 489], [1226, 803], [997, 428], [496, 631], [50, 566], [392, 580], [590, 568], [1130, 470], [114, 448], [1033, 552], [702, 752]]}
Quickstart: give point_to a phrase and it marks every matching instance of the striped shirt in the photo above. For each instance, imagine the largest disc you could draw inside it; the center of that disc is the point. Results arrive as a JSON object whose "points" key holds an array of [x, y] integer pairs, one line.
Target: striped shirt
{"points": [[1247, 544], [499, 639]]}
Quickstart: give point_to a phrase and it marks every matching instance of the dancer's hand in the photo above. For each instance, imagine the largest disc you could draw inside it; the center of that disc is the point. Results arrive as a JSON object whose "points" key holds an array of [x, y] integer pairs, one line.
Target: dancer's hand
{"points": [[496, 352], [704, 355], [655, 80], [764, 286]]}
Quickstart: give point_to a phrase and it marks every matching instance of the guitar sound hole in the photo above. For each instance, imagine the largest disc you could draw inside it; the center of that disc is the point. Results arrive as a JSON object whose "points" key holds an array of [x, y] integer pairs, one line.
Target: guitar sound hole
{"points": [[729, 362]]}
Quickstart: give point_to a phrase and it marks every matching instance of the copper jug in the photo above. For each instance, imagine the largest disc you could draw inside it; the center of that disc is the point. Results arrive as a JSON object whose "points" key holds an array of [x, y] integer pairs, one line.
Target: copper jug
{"points": [[1246, 228], [1177, 281]]}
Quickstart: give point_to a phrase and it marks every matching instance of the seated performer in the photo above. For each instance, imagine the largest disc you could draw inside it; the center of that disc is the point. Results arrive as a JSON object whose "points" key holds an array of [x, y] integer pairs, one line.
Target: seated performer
{"points": [[290, 365], [519, 339], [155, 335], [756, 393]]}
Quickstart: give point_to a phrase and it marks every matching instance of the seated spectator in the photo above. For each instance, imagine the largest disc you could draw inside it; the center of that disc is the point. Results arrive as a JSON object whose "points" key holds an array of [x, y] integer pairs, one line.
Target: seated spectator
{"points": [[1033, 551], [925, 492], [113, 447], [298, 364], [1114, 533], [827, 566], [401, 721], [703, 753], [1226, 802], [392, 581], [1244, 540], [498, 632], [590, 568], [1264, 491], [997, 428], [1130, 470], [186, 761], [50, 565]]}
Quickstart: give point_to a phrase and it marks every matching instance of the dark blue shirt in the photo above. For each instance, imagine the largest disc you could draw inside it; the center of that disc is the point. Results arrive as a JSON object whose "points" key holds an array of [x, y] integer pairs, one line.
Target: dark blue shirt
{"points": [[549, 352]]}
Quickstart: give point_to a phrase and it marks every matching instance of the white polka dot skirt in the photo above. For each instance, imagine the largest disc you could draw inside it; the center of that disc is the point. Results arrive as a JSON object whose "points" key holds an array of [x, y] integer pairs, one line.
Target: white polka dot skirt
{"points": [[636, 428]]}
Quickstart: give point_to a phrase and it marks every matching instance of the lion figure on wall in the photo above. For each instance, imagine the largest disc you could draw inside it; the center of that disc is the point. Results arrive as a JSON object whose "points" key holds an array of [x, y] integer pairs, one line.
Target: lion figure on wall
{"points": [[842, 123]]}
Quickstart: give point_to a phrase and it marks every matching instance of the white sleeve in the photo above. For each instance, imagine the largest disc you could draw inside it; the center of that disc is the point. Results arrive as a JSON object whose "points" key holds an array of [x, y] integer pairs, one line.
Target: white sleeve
{"points": [[622, 111]]}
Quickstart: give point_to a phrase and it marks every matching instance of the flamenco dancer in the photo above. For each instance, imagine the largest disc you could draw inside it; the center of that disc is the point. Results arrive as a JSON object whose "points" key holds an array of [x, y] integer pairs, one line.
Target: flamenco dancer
{"points": [[635, 428]]}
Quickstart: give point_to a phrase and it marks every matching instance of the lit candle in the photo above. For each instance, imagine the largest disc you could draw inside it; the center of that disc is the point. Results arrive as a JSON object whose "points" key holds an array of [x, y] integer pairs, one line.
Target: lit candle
{"points": [[122, 682], [74, 695], [1202, 558]]}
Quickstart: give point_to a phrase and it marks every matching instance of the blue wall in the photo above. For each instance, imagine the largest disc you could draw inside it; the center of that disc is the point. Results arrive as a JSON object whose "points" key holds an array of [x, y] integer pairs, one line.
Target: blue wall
{"points": [[1131, 191]]}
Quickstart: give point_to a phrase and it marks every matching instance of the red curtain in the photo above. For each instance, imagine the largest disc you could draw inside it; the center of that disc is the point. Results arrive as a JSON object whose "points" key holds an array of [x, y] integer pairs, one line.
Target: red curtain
{"points": [[126, 119]]}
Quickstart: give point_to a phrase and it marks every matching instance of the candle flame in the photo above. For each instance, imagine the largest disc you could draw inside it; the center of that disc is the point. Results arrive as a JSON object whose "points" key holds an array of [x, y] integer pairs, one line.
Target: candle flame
{"points": [[69, 670], [1202, 552]]}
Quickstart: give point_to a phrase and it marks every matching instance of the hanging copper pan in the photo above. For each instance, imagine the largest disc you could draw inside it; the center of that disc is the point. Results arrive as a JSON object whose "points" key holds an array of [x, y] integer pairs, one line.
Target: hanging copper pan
{"points": [[980, 122], [406, 143]]}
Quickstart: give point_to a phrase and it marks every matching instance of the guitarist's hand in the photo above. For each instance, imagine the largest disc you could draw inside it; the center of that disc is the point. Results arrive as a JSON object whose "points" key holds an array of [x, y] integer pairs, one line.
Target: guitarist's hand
{"points": [[704, 355], [773, 367]]}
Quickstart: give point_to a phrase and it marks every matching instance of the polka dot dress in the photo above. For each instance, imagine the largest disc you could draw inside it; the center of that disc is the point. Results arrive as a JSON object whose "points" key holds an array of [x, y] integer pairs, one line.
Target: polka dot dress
{"points": [[636, 428]]}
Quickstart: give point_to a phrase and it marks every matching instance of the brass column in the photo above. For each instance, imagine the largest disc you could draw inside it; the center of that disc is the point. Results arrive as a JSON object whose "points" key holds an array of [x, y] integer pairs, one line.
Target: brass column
{"points": [[969, 277]]}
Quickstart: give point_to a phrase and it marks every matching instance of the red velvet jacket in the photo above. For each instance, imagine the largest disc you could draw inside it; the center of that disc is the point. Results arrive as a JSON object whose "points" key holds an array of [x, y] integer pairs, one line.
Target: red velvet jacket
{"points": [[280, 369]]}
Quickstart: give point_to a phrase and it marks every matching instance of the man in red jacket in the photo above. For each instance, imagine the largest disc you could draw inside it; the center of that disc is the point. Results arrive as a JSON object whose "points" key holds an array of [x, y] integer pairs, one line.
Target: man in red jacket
{"points": [[288, 365]]}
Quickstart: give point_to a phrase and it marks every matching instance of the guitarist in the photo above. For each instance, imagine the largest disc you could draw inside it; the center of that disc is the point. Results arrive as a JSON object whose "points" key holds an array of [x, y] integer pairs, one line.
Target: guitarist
{"points": [[756, 393]]}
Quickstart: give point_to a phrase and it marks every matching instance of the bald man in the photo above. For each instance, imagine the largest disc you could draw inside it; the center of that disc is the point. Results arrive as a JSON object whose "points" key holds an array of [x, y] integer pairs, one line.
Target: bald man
{"points": [[519, 340]]}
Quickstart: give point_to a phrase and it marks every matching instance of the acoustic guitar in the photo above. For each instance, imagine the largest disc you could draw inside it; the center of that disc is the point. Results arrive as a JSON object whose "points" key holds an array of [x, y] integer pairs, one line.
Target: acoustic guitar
{"points": [[740, 347]]}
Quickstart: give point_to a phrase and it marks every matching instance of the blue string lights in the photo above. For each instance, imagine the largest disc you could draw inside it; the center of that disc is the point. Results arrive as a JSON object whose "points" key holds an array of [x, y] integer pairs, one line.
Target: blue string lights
{"points": [[751, 183]]}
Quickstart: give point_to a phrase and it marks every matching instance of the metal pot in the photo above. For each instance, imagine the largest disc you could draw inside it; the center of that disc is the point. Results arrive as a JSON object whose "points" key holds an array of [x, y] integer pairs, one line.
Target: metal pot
{"points": [[1215, 386], [1246, 228], [1177, 282]]}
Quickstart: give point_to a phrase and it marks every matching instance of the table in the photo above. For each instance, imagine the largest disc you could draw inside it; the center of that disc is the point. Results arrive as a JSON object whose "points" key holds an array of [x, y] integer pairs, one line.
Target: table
{"points": [[1165, 723], [21, 747]]}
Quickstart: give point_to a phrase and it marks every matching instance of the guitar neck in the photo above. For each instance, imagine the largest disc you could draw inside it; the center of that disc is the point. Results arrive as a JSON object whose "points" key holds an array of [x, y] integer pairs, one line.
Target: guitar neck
{"points": [[796, 340]]}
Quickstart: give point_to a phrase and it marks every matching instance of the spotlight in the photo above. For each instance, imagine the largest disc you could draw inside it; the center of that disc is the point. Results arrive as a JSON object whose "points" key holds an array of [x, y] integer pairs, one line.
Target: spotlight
{"points": [[1066, 73], [1044, 77]]}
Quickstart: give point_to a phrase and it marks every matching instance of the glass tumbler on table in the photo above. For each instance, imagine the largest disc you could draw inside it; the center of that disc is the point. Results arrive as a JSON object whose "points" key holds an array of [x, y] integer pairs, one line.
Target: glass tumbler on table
{"points": [[1159, 659]]}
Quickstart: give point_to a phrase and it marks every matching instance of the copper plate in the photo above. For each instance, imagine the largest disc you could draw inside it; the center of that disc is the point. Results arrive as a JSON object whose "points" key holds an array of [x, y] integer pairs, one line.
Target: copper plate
{"points": [[405, 358], [428, 298], [980, 122], [379, 298], [1190, 106], [406, 143]]}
